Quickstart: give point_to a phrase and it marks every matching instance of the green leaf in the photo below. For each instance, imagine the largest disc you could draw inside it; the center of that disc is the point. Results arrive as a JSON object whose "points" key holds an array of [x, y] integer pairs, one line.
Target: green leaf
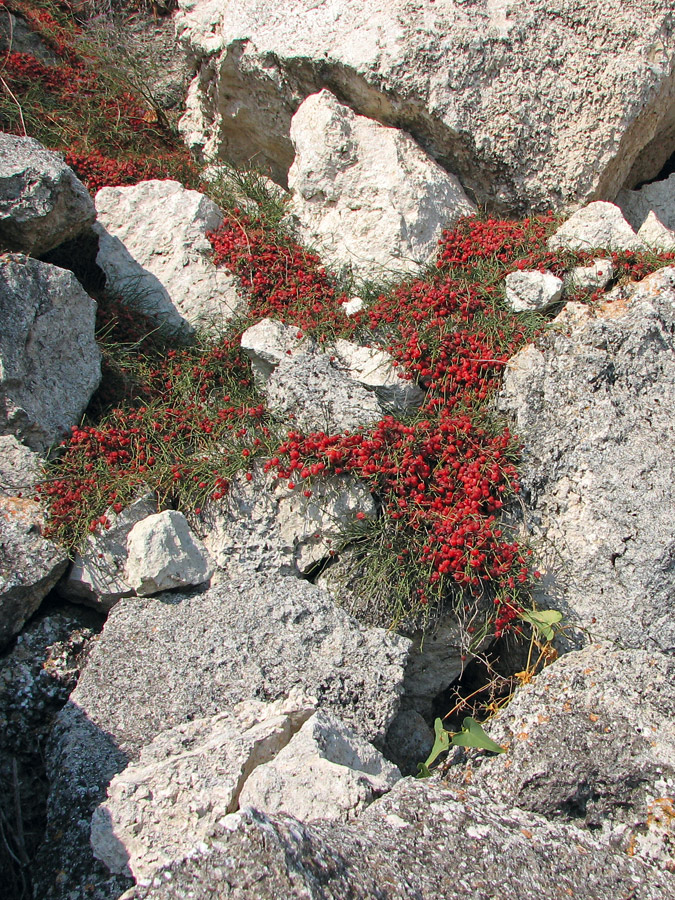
{"points": [[472, 735], [543, 620], [422, 771], [441, 744]]}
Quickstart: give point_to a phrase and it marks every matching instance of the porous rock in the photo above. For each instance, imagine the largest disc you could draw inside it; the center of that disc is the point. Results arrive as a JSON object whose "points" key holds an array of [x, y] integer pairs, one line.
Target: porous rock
{"points": [[30, 565], [421, 840], [539, 104], [50, 364], [592, 403], [591, 741], [262, 525], [164, 554], [325, 772], [163, 806], [153, 249], [96, 577], [532, 290], [162, 661], [367, 197], [598, 226], [268, 341], [655, 234], [42, 202]]}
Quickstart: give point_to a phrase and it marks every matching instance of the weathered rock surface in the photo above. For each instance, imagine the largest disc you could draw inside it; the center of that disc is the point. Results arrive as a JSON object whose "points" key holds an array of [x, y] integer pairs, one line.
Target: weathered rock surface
{"points": [[96, 577], [154, 250], [30, 566], [592, 741], [532, 290], [421, 840], [50, 364], [166, 804], [42, 202], [325, 772], [528, 105], [657, 198], [264, 526], [598, 226], [590, 278], [593, 406], [656, 235], [367, 197], [269, 344], [164, 554], [166, 660]]}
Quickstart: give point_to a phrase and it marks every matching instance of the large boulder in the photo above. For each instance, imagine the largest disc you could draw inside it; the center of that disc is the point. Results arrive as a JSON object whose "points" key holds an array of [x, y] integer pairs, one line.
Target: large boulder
{"points": [[30, 565], [165, 660], [598, 226], [50, 364], [592, 742], [367, 197], [592, 402], [651, 212], [539, 104], [42, 202], [422, 840], [153, 249]]}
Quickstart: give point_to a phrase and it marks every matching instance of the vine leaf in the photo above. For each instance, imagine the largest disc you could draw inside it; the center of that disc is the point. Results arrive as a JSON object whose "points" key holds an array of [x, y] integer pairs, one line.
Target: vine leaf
{"points": [[543, 620], [472, 735]]}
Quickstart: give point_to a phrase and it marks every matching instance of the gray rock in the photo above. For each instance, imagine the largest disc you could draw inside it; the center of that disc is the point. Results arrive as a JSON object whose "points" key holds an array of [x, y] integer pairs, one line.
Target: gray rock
{"points": [[422, 840], [375, 369], [166, 660], [368, 197], [267, 342], [592, 741], [592, 403], [499, 94], [325, 772], [598, 226], [30, 566], [42, 202], [409, 741], [163, 806], [96, 577], [657, 198], [262, 525], [532, 290], [312, 393], [17, 37], [164, 554], [50, 364], [154, 250]]}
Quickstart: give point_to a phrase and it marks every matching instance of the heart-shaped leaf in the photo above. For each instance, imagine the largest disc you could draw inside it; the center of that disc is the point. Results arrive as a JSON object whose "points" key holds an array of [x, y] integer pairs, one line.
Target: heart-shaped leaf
{"points": [[472, 735], [543, 620]]}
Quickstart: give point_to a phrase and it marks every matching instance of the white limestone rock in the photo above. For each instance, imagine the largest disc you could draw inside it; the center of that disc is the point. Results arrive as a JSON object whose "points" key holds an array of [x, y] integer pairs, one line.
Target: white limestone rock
{"points": [[527, 291], [268, 342], [164, 805], [42, 202], [50, 364], [367, 197], [590, 278], [499, 93], [598, 226], [655, 234], [163, 554], [353, 306], [327, 771], [96, 577], [153, 249], [262, 525], [337, 389]]}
